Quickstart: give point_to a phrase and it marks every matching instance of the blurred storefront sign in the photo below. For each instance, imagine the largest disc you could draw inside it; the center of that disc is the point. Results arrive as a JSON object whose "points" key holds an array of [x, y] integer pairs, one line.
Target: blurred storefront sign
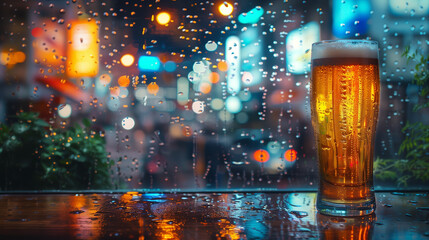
{"points": [[83, 49], [49, 43], [350, 18], [298, 47], [64, 87]]}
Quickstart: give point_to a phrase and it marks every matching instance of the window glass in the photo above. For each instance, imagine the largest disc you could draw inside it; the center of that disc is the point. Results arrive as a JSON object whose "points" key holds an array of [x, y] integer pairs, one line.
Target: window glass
{"points": [[196, 94]]}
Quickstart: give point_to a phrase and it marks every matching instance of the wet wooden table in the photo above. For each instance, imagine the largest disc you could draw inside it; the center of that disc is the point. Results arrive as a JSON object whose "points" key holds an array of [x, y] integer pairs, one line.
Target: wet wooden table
{"points": [[201, 216]]}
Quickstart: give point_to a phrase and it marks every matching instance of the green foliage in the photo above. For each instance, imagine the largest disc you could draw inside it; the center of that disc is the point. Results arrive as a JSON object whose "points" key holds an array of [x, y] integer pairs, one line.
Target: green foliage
{"points": [[37, 157], [415, 146]]}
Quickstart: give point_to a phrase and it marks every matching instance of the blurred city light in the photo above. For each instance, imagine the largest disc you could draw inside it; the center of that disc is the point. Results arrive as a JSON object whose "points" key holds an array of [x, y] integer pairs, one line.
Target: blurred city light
{"points": [[12, 58], [64, 110], [217, 104], [251, 53], [127, 60], [233, 58], [233, 104], [128, 123], [37, 32], [261, 155], [409, 8], [48, 44], [163, 18], [170, 66], [251, 16], [83, 52], [149, 63], [290, 155], [153, 88], [182, 90], [222, 66], [198, 107], [124, 81], [211, 46], [105, 79], [349, 18], [226, 8], [298, 47], [123, 92], [214, 77], [205, 87], [101, 85]]}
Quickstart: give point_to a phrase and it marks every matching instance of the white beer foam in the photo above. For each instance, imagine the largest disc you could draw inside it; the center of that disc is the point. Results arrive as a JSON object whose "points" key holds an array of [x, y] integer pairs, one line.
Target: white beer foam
{"points": [[345, 49]]}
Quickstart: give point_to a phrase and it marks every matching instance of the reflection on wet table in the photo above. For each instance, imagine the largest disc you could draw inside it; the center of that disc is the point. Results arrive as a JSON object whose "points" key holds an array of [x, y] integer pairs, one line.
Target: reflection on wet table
{"points": [[135, 215]]}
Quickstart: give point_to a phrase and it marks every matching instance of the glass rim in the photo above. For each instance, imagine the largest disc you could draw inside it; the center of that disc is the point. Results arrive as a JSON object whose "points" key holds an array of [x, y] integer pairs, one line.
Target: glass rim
{"points": [[361, 41]]}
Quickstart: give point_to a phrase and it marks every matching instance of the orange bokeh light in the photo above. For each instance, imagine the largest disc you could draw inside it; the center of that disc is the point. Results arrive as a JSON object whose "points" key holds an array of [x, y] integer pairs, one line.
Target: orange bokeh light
{"points": [[290, 155], [261, 155], [214, 77], [153, 88], [124, 81], [205, 87], [114, 91], [222, 66]]}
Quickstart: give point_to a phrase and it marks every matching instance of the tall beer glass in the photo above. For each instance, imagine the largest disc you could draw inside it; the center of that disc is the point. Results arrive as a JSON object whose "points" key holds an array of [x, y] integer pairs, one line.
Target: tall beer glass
{"points": [[345, 93]]}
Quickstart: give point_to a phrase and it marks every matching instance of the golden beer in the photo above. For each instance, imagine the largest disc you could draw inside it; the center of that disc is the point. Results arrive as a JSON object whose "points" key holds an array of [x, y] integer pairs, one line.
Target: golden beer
{"points": [[345, 93]]}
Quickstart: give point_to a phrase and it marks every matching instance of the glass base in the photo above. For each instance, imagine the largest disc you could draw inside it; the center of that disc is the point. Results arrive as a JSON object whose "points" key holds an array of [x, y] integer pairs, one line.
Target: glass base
{"points": [[345, 209]]}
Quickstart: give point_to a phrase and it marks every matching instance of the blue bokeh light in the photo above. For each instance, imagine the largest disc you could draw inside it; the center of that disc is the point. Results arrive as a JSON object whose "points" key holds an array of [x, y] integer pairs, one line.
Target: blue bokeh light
{"points": [[251, 16], [350, 18], [149, 63], [170, 66]]}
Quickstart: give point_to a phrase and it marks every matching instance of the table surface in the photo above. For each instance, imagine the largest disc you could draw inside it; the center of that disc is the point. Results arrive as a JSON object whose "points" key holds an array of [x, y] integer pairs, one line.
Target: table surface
{"points": [[134, 215]]}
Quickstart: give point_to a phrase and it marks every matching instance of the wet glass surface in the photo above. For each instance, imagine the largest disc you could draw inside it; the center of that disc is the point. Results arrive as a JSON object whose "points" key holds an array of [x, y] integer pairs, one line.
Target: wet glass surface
{"points": [[232, 215]]}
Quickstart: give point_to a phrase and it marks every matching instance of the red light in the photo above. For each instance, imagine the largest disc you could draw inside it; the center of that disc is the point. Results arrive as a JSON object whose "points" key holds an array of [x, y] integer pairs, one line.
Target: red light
{"points": [[261, 155], [37, 32], [290, 155]]}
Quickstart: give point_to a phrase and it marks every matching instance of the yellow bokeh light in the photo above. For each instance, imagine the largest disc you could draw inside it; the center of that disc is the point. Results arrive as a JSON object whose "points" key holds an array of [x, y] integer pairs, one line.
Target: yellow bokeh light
{"points": [[163, 18], [127, 60], [226, 8], [222, 66]]}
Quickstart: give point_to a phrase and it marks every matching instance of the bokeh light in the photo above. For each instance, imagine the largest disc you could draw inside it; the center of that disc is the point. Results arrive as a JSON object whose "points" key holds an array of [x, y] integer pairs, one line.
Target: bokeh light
{"points": [[217, 104], [123, 92], [170, 66], [205, 87], [251, 16], [290, 155], [128, 123], [214, 77], [153, 88], [198, 107], [149, 63], [222, 66], [261, 155], [105, 79], [114, 91], [37, 32], [124, 81], [64, 110], [226, 8], [211, 46], [233, 104], [163, 18], [127, 60]]}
